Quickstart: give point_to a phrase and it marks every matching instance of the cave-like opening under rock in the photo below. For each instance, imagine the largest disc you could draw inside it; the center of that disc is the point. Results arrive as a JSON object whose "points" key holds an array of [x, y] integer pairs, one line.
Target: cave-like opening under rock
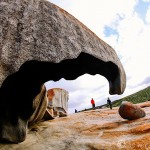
{"points": [[18, 90], [25, 84], [69, 69], [81, 90]]}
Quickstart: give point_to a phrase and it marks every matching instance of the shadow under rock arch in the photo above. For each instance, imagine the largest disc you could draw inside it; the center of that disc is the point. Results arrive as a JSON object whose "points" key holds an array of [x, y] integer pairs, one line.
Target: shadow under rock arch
{"points": [[25, 84]]}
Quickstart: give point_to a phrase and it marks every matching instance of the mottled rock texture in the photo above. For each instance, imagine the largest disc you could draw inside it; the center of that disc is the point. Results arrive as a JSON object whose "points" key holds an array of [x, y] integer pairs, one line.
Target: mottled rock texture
{"points": [[40, 104], [101, 129], [39, 30], [39, 42], [58, 101], [130, 111], [58, 97]]}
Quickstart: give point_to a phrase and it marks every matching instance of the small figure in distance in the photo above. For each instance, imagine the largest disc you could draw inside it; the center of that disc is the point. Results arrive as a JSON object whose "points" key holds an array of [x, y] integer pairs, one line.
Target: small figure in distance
{"points": [[93, 103], [76, 111], [109, 103]]}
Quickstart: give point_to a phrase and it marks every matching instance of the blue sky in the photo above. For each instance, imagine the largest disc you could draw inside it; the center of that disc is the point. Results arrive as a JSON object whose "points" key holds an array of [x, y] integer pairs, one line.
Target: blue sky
{"points": [[123, 24]]}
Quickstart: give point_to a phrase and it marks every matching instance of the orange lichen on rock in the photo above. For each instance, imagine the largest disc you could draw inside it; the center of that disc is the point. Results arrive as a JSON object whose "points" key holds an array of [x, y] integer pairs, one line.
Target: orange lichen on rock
{"points": [[90, 130]]}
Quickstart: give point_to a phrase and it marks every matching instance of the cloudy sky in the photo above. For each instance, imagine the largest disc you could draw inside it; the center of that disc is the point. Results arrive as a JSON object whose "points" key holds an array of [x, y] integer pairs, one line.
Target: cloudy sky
{"points": [[123, 24]]}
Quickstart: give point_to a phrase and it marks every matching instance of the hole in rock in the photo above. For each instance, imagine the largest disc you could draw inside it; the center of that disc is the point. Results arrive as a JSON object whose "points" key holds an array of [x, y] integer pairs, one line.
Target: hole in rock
{"points": [[25, 84], [81, 90]]}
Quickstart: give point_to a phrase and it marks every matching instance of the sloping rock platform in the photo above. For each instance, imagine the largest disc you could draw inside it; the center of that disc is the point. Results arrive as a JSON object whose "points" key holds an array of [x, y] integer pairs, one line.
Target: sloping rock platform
{"points": [[89, 130]]}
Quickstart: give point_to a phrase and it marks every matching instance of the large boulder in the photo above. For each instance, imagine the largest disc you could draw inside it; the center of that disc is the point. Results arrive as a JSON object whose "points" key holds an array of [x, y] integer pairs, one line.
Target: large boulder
{"points": [[40, 30], [130, 111], [39, 42], [57, 102], [101, 129]]}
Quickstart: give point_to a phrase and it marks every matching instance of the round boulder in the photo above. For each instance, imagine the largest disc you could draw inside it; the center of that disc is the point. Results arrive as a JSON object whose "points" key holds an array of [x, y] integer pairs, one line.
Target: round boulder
{"points": [[130, 111]]}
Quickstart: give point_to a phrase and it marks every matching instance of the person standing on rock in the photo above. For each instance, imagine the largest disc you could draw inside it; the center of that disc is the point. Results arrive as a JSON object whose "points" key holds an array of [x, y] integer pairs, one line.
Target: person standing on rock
{"points": [[109, 103], [93, 103], [76, 111]]}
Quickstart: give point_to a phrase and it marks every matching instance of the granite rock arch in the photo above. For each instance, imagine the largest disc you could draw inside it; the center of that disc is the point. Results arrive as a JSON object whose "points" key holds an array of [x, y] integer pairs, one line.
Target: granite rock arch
{"points": [[41, 42]]}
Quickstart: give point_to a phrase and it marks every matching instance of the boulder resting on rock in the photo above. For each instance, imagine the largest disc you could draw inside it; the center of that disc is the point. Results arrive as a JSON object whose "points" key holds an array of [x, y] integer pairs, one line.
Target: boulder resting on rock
{"points": [[100, 129], [130, 111]]}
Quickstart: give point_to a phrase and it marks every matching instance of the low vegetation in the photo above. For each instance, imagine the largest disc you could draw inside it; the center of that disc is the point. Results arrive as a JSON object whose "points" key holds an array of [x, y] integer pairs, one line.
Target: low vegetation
{"points": [[138, 97]]}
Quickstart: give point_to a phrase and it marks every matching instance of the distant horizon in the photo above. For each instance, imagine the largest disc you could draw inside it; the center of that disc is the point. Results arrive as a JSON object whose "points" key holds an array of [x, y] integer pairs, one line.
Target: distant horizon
{"points": [[90, 107]]}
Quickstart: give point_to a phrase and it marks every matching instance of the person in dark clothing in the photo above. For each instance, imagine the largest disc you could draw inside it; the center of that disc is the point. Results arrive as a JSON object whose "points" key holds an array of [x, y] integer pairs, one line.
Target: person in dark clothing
{"points": [[109, 103], [76, 111], [93, 103]]}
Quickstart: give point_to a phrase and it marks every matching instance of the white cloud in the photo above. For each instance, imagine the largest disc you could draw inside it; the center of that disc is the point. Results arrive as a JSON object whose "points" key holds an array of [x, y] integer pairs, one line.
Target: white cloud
{"points": [[146, 0], [82, 90], [148, 15], [97, 13], [133, 46]]}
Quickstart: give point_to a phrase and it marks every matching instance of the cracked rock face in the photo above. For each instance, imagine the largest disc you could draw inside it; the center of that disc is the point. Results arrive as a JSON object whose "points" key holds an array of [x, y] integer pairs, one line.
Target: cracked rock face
{"points": [[39, 42]]}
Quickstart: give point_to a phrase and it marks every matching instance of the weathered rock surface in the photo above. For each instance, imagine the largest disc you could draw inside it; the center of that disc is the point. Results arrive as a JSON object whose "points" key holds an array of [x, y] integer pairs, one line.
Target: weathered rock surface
{"points": [[40, 104], [130, 111], [39, 42], [95, 129], [39, 30], [58, 101]]}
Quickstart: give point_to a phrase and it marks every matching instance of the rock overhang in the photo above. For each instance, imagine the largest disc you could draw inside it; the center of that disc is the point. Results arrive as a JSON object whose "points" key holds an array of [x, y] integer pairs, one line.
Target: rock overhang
{"points": [[39, 30], [41, 42]]}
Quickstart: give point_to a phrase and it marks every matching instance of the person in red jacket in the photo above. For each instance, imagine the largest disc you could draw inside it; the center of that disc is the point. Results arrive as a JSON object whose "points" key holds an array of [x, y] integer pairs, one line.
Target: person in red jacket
{"points": [[93, 103]]}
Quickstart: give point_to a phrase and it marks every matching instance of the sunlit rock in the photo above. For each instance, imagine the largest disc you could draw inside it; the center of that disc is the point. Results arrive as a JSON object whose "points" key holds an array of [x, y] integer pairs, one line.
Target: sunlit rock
{"points": [[131, 111], [57, 102], [95, 129]]}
